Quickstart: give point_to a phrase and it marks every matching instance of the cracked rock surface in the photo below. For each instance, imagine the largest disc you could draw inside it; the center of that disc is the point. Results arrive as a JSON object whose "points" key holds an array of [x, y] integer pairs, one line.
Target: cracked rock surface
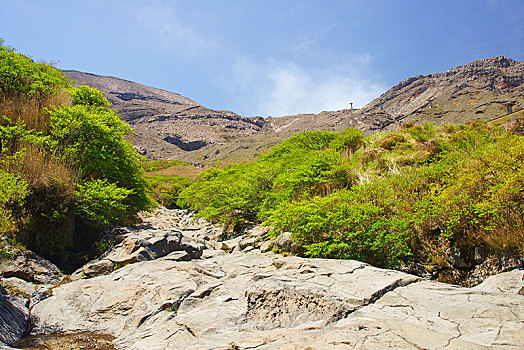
{"points": [[237, 297]]}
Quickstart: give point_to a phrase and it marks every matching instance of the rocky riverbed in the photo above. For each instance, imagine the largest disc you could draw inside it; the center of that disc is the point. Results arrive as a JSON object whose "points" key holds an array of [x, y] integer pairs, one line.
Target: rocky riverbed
{"points": [[177, 282]]}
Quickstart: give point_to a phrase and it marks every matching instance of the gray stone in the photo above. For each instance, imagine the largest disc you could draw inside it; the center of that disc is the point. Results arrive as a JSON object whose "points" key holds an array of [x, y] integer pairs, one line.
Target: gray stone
{"points": [[258, 231], [212, 253], [161, 246], [98, 268], [270, 302], [505, 282], [20, 285], [432, 315], [193, 248], [248, 242], [265, 247], [231, 244], [178, 256], [14, 318], [31, 268], [122, 257], [248, 249], [284, 243]]}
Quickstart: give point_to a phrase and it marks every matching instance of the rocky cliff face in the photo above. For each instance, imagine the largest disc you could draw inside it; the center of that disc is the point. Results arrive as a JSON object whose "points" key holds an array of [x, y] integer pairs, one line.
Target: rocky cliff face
{"points": [[478, 90], [168, 125]]}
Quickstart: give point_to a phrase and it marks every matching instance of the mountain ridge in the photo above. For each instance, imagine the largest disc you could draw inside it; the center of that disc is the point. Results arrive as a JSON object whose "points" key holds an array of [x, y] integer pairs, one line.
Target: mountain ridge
{"points": [[167, 124], [180, 128]]}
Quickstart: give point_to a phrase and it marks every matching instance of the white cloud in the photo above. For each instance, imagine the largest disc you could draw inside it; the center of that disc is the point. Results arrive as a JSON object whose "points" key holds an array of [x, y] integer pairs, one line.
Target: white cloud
{"points": [[282, 88], [164, 28]]}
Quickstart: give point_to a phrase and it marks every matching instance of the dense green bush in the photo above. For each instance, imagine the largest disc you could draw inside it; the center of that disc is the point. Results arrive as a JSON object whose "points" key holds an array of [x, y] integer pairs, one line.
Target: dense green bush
{"points": [[389, 198], [13, 190], [75, 169], [102, 201], [166, 189], [348, 224], [20, 75], [301, 166], [88, 96], [348, 141], [92, 138]]}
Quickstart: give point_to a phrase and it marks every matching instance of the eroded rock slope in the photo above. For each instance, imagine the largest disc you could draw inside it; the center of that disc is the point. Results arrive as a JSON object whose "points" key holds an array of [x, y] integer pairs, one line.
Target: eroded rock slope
{"points": [[166, 124], [235, 294]]}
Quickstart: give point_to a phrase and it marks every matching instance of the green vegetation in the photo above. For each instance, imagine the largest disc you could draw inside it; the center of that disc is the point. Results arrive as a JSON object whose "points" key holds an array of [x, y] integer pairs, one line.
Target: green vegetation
{"points": [[160, 164], [165, 189], [64, 162], [166, 179], [385, 199], [66, 170]]}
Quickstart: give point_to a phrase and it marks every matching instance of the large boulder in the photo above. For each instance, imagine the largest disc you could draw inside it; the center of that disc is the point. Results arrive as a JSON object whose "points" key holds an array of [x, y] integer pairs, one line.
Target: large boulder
{"points": [[505, 282], [31, 268], [142, 244], [14, 318]]}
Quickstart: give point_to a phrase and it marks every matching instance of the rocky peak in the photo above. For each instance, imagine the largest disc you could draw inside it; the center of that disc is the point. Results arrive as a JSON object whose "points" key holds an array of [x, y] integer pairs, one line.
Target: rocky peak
{"points": [[497, 61], [475, 90]]}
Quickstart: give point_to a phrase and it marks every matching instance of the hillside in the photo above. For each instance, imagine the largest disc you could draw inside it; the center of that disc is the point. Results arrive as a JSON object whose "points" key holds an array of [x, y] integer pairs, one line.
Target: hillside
{"points": [[168, 125], [478, 90], [296, 247]]}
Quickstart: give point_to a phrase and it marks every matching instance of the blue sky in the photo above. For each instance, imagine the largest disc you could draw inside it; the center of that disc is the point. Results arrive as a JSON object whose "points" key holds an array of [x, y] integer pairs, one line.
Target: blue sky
{"points": [[273, 57]]}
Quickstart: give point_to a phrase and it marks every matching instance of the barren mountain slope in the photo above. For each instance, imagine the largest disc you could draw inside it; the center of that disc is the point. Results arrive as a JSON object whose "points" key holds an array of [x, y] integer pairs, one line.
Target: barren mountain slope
{"points": [[167, 124], [481, 89]]}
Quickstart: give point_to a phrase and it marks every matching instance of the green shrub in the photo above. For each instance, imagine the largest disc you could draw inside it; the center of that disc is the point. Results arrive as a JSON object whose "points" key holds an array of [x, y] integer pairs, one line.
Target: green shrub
{"points": [[407, 125], [88, 96], [101, 201], [422, 133], [13, 190], [427, 188], [302, 166], [75, 169], [346, 225], [309, 140], [92, 139], [392, 140], [348, 141], [166, 189], [19, 75]]}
